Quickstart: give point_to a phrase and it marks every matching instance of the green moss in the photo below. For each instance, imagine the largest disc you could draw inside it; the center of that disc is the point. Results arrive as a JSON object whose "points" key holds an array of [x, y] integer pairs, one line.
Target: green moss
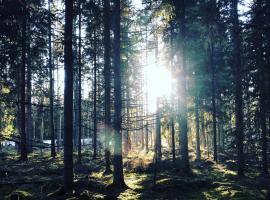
{"points": [[171, 182], [24, 195], [136, 180]]}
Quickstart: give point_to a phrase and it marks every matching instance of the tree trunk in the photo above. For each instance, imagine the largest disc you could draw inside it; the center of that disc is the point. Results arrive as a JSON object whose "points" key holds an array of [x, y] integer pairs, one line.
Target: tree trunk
{"points": [[107, 79], [158, 133], [172, 107], [75, 93], [29, 127], [80, 90], [95, 100], [203, 129], [23, 146], [208, 138], [68, 98], [53, 153], [0, 125], [59, 133], [75, 83], [42, 126], [173, 139], [181, 9], [59, 123], [118, 176], [258, 42], [213, 93], [142, 138], [126, 134], [263, 119], [146, 138], [158, 126], [198, 150], [238, 85], [221, 134]]}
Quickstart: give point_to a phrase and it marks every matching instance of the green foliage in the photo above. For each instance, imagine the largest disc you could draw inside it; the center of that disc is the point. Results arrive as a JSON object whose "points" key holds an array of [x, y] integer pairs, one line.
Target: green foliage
{"points": [[8, 128]]}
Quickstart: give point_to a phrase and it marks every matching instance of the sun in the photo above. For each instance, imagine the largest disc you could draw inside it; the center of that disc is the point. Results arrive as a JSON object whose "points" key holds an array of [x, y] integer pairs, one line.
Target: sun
{"points": [[158, 84]]}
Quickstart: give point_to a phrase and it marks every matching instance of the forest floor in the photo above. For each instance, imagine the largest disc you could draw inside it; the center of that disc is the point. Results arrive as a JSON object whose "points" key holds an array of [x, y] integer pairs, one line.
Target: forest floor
{"points": [[41, 176]]}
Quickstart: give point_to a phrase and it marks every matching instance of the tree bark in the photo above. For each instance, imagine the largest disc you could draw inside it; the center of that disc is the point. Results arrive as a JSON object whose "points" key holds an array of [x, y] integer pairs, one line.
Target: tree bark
{"points": [[198, 143], [173, 139], [158, 133], [213, 93], [203, 129], [127, 132], [237, 66], [53, 153], [181, 10], [142, 138], [107, 78], [68, 98], [258, 43], [118, 176], [146, 138], [23, 146], [80, 89], [29, 127], [95, 100]]}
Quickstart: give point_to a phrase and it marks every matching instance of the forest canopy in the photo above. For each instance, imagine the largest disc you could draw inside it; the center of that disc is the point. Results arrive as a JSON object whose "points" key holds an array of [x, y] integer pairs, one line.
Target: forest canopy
{"points": [[134, 99]]}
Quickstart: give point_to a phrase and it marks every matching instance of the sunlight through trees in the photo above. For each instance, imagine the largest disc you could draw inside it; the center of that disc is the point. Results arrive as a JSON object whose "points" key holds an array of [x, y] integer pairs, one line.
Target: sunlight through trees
{"points": [[134, 99]]}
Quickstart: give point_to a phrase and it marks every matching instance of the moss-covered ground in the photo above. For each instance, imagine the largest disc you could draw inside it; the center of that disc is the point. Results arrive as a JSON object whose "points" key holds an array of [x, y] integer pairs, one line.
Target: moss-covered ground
{"points": [[41, 177]]}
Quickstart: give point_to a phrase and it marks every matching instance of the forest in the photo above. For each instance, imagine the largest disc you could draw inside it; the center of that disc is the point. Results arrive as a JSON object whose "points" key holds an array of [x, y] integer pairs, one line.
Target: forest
{"points": [[134, 99]]}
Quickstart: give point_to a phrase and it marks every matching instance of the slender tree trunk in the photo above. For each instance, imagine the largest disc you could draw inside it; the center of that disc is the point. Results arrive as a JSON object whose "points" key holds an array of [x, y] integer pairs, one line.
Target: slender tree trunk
{"points": [[75, 93], [156, 160], [68, 98], [238, 85], [158, 133], [203, 129], [262, 103], [0, 122], [158, 126], [89, 122], [172, 96], [75, 84], [208, 145], [118, 176], [42, 126], [136, 132], [0, 125], [53, 153], [58, 111], [59, 132], [29, 127], [95, 100], [173, 139], [107, 78], [126, 134], [213, 91], [80, 90], [181, 10], [152, 135], [221, 140], [198, 143], [142, 138], [34, 129], [127, 98], [146, 138], [23, 146], [258, 42]]}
